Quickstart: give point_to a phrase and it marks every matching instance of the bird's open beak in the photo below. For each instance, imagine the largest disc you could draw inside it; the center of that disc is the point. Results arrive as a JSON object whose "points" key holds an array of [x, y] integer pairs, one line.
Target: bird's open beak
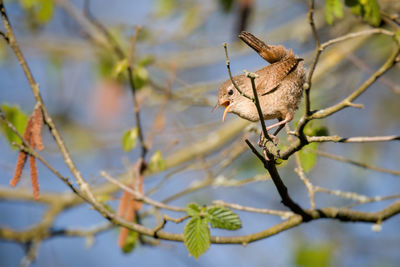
{"points": [[228, 106]]}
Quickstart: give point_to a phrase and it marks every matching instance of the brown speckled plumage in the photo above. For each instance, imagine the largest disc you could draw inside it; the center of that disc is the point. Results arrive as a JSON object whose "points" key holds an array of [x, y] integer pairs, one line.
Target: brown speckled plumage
{"points": [[279, 85]]}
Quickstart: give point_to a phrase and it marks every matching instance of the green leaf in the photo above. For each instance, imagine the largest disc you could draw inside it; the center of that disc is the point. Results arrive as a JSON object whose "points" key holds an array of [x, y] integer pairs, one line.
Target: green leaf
{"points": [[130, 242], [367, 9], [18, 118], [314, 128], [120, 67], [105, 65], [310, 256], [316, 131], [157, 162], [45, 11], [196, 236], [129, 139], [39, 10], [140, 76], [351, 3], [146, 60], [226, 5], [333, 8], [193, 209], [308, 158], [372, 13], [192, 19], [27, 3], [224, 218], [165, 7]]}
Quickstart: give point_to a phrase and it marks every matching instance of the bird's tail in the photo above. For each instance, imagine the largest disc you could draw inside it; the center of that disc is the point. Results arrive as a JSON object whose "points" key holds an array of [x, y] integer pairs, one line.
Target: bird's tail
{"points": [[271, 53]]}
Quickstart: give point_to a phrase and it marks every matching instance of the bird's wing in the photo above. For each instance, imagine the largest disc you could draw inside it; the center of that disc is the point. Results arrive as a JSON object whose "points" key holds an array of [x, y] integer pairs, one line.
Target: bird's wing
{"points": [[272, 75]]}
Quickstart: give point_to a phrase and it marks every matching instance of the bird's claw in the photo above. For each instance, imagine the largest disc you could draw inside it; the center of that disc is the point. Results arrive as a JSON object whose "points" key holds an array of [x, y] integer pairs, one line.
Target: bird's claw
{"points": [[262, 141]]}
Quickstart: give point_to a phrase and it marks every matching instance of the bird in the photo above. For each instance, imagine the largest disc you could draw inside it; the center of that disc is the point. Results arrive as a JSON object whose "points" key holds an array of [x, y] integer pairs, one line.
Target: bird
{"points": [[279, 86]]}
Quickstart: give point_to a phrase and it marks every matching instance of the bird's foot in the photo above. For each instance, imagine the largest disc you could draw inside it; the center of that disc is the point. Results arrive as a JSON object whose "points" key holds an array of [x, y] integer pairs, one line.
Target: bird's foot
{"points": [[262, 141]]}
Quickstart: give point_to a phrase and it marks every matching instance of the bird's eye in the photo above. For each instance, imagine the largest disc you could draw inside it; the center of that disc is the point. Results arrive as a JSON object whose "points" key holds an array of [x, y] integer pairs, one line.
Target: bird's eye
{"points": [[230, 92]]}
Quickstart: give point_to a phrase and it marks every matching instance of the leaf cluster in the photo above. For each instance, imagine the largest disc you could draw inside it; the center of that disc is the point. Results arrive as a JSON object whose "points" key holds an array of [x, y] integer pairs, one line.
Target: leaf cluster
{"points": [[197, 230]]}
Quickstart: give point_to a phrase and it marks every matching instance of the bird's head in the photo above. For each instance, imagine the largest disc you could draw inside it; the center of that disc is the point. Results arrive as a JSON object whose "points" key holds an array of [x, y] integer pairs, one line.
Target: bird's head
{"points": [[230, 98]]}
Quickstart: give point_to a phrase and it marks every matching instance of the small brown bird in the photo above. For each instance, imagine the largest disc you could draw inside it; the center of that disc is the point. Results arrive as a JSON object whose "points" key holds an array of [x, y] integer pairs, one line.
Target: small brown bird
{"points": [[279, 86]]}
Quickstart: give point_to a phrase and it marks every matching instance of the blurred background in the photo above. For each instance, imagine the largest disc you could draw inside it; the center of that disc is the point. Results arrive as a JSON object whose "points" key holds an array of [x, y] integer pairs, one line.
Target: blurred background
{"points": [[179, 64]]}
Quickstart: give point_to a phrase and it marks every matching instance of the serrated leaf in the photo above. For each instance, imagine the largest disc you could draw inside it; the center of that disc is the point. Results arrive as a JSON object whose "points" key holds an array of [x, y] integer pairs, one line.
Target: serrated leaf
{"points": [[308, 158], [196, 236], [333, 8], [129, 139], [120, 67], [157, 162], [18, 118], [130, 242], [224, 218], [193, 209]]}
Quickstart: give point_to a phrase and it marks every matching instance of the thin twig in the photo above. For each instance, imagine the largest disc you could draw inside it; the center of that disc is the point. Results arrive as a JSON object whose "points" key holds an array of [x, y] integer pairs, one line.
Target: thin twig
{"points": [[139, 196], [164, 222], [355, 35], [283, 214], [252, 77], [310, 187], [228, 66], [356, 163], [4, 36], [90, 232], [31, 253], [348, 195], [317, 53], [355, 139]]}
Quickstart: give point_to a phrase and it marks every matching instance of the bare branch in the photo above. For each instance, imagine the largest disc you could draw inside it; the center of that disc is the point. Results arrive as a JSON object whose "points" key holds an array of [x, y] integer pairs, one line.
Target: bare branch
{"points": [[139, 196], [355, 139], [356, 163], [355, 35], [310, 187], [283, 214]]}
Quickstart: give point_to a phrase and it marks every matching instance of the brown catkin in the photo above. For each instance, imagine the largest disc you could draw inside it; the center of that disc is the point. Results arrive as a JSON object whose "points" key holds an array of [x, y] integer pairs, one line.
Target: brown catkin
{"points": [[129, 215], [123, 204], [139, 188], [22, 155], [123, 234], [18, 169], [37, 129], [34, 177]]}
